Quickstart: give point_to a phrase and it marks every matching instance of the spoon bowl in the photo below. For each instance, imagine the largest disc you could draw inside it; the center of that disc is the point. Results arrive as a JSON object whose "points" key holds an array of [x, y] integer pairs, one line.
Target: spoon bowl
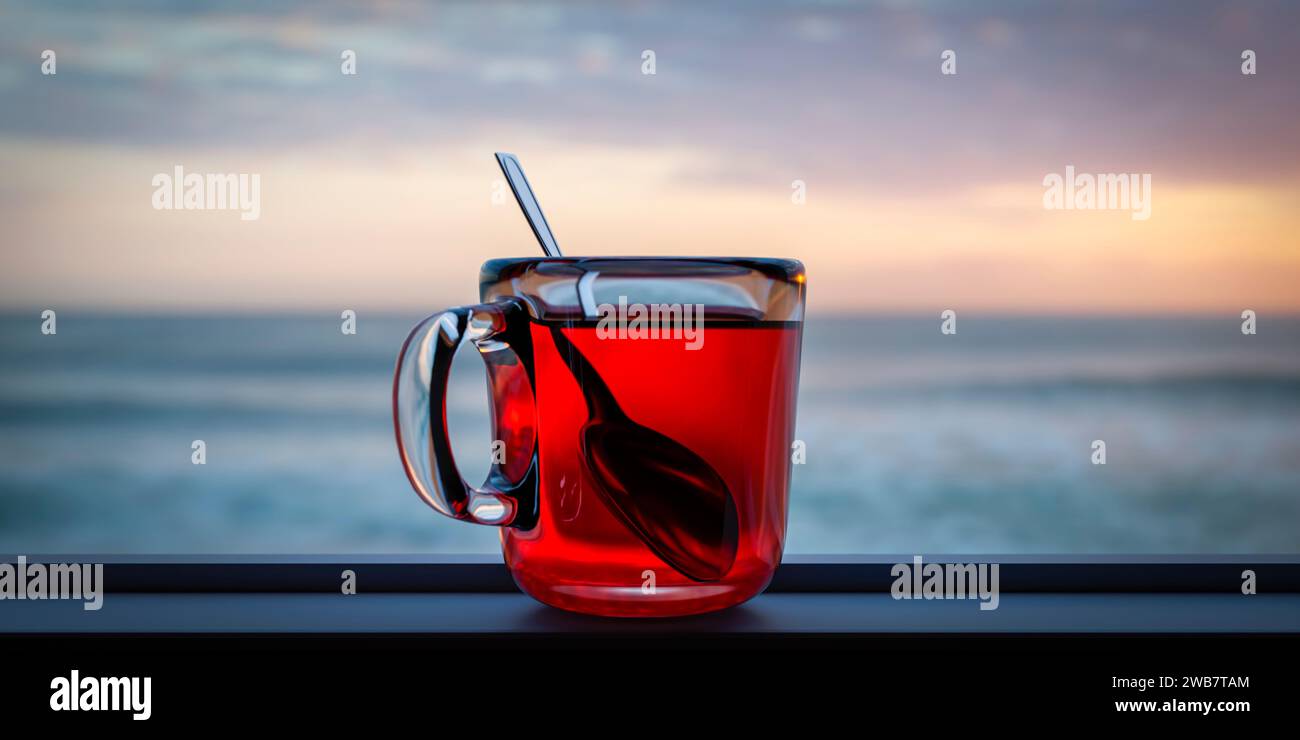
{"points": [[669, 496]]}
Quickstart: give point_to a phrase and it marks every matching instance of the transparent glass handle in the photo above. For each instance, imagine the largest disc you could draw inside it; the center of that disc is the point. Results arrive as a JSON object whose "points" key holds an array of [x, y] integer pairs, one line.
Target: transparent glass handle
{"points": [[509, 496]]}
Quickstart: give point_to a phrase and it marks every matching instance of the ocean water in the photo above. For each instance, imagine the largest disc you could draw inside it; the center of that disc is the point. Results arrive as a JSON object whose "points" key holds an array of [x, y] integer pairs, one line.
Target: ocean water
{"points": [[979, 442]]}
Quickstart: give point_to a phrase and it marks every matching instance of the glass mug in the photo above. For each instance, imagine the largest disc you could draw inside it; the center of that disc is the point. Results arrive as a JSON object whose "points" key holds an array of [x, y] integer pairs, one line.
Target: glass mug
{"points": [[643, 414]]}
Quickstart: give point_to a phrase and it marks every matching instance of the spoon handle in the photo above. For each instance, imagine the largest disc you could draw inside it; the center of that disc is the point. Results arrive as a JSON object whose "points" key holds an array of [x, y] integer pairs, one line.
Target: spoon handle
{"points": [[514, 173], [600, 399]]}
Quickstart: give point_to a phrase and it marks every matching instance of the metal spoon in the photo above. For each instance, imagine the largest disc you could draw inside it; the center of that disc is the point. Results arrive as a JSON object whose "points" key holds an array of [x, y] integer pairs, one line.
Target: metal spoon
{"points": [[514, 173], [674, 501]]}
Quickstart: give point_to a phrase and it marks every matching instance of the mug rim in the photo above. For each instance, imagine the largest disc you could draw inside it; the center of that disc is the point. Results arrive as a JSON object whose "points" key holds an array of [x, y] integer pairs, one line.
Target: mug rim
{"points": [[781, 268]]}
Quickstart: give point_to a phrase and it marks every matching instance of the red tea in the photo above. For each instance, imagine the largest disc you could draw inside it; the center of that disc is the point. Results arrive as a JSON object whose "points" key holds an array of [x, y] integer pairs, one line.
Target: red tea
{"points": [[730, 401]]}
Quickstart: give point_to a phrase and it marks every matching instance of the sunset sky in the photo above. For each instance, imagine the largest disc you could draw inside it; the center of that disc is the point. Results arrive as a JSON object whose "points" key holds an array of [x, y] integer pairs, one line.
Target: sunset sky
{"points": [[924, 191]]}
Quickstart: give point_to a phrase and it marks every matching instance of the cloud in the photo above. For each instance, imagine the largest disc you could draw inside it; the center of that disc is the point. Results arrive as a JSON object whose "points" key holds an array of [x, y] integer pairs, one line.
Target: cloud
{"points": [[746, 99]]}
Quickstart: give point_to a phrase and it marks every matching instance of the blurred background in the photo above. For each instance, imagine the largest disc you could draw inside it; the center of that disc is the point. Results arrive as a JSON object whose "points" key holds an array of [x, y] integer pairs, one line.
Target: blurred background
{"points": [[924, 193]]}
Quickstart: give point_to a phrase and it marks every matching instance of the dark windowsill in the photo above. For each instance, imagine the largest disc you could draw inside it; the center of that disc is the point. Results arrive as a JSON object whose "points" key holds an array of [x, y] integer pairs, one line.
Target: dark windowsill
{"points": [[774, 614], [797, 574], [475, 596]]}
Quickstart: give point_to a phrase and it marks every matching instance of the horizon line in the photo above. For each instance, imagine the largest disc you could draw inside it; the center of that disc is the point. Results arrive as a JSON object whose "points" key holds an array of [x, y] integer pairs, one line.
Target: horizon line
{"points": [[112, 311]]}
